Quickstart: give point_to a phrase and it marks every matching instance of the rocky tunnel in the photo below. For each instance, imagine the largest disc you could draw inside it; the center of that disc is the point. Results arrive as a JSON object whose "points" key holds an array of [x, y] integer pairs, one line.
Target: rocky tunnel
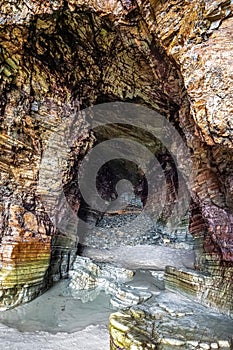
{"points": [[55, 63]]}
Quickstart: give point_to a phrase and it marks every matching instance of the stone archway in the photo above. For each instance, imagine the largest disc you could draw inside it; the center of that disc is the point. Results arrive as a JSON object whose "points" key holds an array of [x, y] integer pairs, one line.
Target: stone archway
{"points": [[56, 61]]}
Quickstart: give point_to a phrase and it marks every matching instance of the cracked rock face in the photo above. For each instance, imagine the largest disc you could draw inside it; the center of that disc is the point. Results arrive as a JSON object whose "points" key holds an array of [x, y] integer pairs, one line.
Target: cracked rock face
{"points": [[88, 279], [59, 57], [171, 323]]}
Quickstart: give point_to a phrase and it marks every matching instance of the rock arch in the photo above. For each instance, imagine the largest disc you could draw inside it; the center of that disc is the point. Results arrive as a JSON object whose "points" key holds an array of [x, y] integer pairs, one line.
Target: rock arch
{"points": [[57, 59]]}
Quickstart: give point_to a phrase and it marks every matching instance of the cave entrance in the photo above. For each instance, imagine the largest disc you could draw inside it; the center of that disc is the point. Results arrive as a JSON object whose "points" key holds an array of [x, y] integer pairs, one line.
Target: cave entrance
{"points": [[131, 215]]}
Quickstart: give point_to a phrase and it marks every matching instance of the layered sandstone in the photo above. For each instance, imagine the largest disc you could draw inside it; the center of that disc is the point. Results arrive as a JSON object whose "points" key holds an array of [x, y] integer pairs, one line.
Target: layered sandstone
{"points": [[60, 57]]}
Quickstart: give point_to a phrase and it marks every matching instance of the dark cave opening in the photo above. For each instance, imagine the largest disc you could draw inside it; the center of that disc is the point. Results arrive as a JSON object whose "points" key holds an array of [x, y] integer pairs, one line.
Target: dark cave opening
{"points": [[65, 61], [114, 171]]}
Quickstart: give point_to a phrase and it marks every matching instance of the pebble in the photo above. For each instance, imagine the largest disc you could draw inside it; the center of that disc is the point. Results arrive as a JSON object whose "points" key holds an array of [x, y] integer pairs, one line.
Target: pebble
{"points": [[172, 341], [224, 344], [204, 346], [193, 343]]}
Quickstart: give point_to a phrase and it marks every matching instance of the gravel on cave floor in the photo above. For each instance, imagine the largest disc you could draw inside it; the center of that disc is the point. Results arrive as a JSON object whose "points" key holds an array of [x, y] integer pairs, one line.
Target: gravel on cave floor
{"points": [[134, 227]]}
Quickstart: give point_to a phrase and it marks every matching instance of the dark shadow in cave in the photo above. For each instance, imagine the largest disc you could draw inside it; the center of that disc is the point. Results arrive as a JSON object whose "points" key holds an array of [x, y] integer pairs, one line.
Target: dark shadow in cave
{"points": [[120, 169]]}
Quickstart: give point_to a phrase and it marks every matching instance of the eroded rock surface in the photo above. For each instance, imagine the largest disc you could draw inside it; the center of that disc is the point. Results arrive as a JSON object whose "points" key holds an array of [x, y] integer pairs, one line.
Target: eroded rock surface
{"points": [[171, 323], [60, 57], [88, 279]]}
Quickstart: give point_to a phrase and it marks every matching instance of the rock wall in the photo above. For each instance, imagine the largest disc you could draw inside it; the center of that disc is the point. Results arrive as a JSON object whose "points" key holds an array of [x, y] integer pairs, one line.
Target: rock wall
{"points": [[201, 45], [199, 38], [60, 57]]}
